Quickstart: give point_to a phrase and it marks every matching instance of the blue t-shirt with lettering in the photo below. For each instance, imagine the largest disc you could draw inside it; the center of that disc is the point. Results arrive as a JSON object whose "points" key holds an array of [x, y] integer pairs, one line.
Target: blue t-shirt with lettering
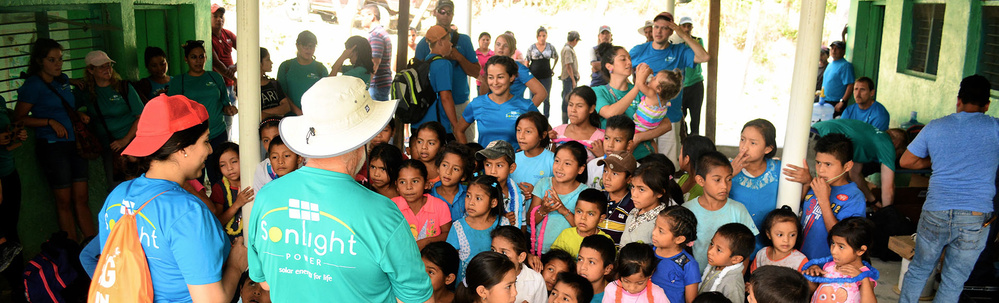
{"points": [[532, 169], [47, 105], [673, 56], [497, 121], [440, 80], [459, 80], [845, 200], [183, 241], [964, 151], [673, 274]]}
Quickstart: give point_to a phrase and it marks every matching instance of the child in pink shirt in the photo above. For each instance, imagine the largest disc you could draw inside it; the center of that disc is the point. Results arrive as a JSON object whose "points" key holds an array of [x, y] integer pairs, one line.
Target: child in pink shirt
{"points": [[429, 217]]}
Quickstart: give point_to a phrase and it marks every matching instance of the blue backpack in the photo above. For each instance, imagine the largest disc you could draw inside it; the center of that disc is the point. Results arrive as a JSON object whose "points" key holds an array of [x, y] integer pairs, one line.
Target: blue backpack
{"points": [[52, 276]]}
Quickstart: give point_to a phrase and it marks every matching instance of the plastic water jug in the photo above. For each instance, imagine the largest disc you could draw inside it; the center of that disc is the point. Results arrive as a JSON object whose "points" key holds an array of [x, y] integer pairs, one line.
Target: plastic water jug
{"points": [[822, 111]]}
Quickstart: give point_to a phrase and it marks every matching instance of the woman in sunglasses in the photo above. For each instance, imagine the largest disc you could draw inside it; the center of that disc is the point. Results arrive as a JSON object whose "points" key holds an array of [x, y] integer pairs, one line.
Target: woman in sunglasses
{"points": [[208, 88]]}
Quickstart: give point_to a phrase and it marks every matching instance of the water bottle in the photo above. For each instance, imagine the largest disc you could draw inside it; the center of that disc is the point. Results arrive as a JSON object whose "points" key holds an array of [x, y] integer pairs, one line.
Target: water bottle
{"points": [[912, 121], [822, 111]]}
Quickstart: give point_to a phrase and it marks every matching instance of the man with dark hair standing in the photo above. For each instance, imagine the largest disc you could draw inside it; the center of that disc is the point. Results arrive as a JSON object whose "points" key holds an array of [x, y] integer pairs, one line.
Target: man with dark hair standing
{"points": [[570, 71], [693, 83], [381, 51], [604, 35], [223, 42], [963, 151], [837, 79]]}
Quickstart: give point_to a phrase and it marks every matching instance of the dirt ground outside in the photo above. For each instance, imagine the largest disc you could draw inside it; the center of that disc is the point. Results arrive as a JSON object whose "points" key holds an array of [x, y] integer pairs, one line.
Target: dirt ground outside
{"points": [[751, 84]]}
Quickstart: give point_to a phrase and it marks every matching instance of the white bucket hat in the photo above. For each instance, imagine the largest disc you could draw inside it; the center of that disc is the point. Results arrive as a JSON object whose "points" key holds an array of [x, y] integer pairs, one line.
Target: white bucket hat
{"points": [[338, 116]]}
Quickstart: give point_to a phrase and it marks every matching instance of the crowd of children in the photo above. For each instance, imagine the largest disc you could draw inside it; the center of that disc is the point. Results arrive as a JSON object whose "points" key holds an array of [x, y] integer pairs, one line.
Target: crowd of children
{"points": [[569, 217]]}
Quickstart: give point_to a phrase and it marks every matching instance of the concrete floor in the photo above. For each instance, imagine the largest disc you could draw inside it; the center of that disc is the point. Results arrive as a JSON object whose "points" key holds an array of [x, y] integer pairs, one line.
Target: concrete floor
{"points": [[885, 290]]}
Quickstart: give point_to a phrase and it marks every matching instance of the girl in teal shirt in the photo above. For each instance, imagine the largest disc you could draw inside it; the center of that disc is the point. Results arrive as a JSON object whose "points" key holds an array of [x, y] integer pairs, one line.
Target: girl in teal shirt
{"points": [[359, 52], [299, 74], [115, 106], [207, 88]]}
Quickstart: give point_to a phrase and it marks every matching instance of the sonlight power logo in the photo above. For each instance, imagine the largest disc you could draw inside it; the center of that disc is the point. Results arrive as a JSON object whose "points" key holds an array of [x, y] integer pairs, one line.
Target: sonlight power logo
{"points": [[305, 224], [303, 210]]}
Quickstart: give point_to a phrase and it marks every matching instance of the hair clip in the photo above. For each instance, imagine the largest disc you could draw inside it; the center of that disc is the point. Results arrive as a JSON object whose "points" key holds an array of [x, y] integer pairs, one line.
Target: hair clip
{"points": [[690, 244], [475, 174], [495, 185]]}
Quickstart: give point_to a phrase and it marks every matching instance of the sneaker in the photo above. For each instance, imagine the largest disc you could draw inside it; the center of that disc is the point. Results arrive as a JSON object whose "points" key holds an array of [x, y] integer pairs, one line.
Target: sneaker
{"points": [[7, 252]]}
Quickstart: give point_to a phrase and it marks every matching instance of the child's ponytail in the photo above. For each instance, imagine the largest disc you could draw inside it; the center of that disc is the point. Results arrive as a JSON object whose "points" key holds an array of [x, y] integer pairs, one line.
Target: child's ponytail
{"points": [[658, 176], [682, 222], [492, 187]]}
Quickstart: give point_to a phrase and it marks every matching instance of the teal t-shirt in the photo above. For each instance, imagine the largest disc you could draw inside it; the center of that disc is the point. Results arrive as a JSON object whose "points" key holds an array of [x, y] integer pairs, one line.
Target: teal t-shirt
{"points": [[295, 78], [315, 230], [556, 222], [118, 112], [869, 144], [207, 89], [607, 95], [709, 221], [6, 157], [357, 71], [692, 75]]}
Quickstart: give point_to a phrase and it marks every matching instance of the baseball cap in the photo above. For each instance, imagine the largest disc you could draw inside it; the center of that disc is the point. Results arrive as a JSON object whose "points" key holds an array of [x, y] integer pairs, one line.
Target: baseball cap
{"points": [[686, 20], [97, 58], [667, 15], [444, 3], [839, 44], [495, 150], [216, 7], [619, 162], [573, 36], [435, 33], [648, 24], [339, 116], [603, 28], [162, 117]]}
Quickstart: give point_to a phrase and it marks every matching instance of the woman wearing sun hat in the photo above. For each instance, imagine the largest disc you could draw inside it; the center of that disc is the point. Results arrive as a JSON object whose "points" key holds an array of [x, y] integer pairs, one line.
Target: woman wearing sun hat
{"points": [[350, 241], [184, 244]]}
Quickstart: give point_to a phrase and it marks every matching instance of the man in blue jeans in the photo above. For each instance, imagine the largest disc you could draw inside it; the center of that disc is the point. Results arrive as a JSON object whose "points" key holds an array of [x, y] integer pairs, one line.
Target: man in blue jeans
{"points": [[963, 151]]}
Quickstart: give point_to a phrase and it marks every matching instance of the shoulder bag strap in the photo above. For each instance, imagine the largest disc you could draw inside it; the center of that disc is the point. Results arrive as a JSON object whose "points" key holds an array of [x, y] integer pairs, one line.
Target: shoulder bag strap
{"points": [[147, 202], [70, 111], [100, 115]]}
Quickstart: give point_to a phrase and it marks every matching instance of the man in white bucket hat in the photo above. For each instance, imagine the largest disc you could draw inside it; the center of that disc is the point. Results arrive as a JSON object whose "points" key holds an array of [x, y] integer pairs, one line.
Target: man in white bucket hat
{"points": [[316, 232]]}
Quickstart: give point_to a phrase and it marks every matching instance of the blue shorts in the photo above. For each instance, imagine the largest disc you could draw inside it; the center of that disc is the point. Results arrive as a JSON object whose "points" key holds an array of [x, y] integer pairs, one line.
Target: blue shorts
{"points": [[60, 163]]}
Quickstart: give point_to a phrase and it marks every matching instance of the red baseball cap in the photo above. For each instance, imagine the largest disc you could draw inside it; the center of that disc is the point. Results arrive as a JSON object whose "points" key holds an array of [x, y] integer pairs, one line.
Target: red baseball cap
{"points": [[161, 118]]}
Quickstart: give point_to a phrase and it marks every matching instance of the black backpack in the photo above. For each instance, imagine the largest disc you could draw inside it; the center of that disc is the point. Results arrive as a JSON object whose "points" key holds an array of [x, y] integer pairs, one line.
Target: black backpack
{"points": [[413, 89]]}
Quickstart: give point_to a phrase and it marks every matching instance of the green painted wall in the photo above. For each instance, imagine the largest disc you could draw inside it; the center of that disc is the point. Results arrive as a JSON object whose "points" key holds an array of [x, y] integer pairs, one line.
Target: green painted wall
{"points": [[163, 23], [932, 97]]}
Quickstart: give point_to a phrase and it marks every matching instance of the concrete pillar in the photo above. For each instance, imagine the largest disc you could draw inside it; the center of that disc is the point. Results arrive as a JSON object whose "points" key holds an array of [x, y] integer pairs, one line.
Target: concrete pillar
{"points": [[671, 7], [806, 69], [248, 85]]}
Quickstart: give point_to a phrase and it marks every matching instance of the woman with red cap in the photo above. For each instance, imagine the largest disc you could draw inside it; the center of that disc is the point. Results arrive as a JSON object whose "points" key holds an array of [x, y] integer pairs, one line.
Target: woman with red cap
{"points": [[183, 241]]}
